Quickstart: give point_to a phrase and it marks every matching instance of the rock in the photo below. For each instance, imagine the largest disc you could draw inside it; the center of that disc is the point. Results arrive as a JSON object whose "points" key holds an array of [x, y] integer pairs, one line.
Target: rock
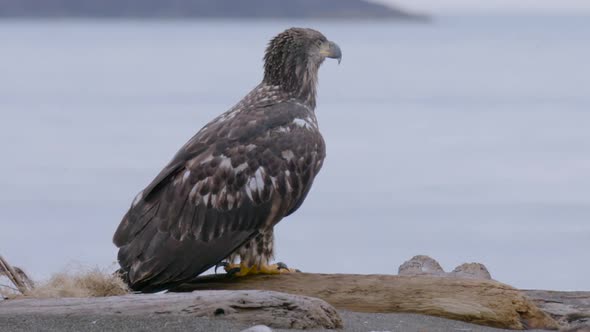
{"points": [[472, 270], [258, 328], [425, 265], [274, 309], [420, 265]]}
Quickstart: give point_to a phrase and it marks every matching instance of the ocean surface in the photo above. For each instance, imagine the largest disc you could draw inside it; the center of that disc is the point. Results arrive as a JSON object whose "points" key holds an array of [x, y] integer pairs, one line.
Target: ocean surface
{"points": [[467, 139]]}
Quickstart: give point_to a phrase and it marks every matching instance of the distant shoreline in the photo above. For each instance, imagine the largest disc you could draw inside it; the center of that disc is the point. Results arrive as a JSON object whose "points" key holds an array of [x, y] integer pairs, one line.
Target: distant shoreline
{"points": [[412, 18], [204, 9], [418, 20]]}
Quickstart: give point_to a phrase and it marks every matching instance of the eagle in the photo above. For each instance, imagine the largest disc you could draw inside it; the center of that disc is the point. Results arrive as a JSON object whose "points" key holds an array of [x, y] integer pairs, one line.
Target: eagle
{"points": [[216, 202]]}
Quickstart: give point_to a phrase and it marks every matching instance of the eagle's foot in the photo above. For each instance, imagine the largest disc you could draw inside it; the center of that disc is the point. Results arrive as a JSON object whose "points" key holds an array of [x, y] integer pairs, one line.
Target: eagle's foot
{"points": [[232, 269], [237, 270], [242, 270]]}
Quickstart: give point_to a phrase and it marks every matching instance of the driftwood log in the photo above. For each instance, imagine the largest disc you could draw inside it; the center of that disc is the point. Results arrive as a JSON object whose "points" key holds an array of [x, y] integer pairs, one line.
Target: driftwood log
{"points": [[483, 302], [16, 275], [568, 308], [258, 307]]}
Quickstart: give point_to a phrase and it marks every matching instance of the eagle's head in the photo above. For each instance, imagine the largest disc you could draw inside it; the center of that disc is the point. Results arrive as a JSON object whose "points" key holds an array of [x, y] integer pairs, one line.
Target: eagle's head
{"points": [[292, 60]]}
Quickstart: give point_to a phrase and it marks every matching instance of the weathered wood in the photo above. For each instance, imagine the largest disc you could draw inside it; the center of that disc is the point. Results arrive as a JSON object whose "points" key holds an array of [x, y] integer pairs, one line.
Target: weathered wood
{"points": [[261, 307], [568, 308], [483, 302], [16, 275]]}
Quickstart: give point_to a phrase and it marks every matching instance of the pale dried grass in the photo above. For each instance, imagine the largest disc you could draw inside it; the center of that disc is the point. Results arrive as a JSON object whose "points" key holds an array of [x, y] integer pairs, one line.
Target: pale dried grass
{"points": [[95, 282], [73, 282]]}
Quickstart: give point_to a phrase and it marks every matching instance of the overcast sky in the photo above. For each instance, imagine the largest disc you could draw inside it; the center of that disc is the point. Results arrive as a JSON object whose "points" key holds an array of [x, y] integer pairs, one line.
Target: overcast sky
{"points": [[516, 6]]}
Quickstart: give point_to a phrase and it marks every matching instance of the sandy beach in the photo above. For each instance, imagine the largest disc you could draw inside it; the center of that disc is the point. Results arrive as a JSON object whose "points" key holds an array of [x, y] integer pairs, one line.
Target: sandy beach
{"points": [[354, 322]]}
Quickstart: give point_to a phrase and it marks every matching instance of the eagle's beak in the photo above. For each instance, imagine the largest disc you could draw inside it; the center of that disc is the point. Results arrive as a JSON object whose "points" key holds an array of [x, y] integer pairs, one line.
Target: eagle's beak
{"points": [[331, 50]]}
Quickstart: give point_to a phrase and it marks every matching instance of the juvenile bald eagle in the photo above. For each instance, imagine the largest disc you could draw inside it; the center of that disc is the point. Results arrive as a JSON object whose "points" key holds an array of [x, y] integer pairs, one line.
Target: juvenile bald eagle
{"points": [[230, 184]]}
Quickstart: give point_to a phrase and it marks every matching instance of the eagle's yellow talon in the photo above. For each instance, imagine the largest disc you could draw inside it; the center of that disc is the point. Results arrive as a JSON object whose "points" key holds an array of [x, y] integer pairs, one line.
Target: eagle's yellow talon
{"points": [[241, 270]]}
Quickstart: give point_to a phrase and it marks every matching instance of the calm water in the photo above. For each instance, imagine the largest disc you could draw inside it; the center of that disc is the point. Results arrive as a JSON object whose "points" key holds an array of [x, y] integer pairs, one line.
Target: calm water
{"points": [[467, 139]]}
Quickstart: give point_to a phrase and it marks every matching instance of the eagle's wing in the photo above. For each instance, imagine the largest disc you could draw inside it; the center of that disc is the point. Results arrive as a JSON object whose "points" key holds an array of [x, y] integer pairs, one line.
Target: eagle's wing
{"points": [[229, 181]]}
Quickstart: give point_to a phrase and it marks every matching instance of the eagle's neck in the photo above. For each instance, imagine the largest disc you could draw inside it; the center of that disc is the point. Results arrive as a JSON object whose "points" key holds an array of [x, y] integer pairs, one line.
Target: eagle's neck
{"points": [[297, 81]]}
